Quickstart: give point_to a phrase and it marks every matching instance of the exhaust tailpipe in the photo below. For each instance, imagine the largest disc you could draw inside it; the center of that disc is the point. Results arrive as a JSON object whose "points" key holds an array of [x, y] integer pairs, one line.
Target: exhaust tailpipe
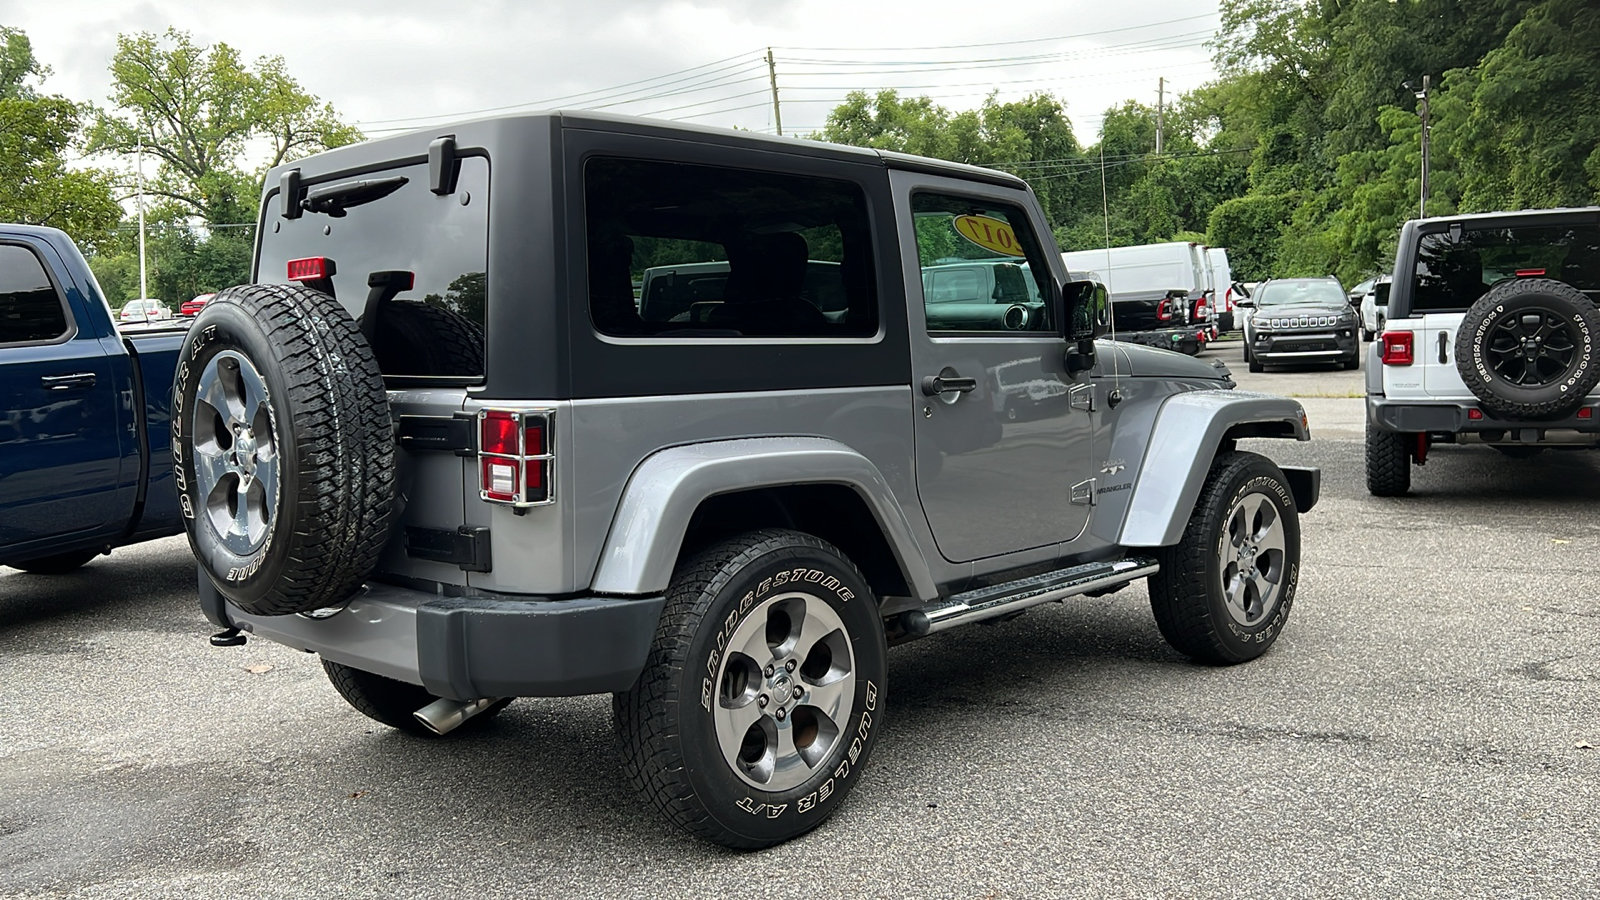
{"points": [[444, 715]]}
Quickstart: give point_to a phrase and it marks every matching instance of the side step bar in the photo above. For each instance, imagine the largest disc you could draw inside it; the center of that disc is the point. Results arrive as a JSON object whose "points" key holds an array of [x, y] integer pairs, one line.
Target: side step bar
{"points": [[1015, 596]]}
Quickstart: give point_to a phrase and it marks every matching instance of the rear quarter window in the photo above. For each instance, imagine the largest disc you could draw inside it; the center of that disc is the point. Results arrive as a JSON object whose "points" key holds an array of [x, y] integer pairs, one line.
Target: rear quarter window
{"points": [[443, 241]]}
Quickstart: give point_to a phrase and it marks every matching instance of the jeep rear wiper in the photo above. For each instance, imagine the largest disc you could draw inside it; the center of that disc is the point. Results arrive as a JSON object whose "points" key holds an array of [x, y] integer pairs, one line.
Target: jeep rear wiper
{"points": [[334, 199]]}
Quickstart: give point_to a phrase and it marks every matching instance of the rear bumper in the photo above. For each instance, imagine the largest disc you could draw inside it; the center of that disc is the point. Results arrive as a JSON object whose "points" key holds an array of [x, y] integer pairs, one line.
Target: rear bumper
{"points": [[1450, 417], [465, 648]]}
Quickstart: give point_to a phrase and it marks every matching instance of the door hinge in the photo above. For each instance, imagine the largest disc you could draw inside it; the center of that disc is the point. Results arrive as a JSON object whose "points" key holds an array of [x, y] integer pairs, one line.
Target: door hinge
{"points": [[1081, 396], [467, 547], [451, 434], [1083, 492]]}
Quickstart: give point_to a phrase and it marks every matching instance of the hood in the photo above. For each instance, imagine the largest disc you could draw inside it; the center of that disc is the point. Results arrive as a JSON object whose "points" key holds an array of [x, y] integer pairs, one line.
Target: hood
{"points": [[1139, 361], [1296, 310]]}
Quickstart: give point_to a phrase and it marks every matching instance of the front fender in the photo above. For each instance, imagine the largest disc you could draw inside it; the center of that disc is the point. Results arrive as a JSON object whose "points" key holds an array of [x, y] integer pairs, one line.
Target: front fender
{"points": [[642, 547], [1184, 440]]}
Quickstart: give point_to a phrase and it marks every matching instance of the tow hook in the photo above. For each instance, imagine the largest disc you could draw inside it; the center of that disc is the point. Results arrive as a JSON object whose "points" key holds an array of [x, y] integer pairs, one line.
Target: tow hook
{"points": [[228, 638]]}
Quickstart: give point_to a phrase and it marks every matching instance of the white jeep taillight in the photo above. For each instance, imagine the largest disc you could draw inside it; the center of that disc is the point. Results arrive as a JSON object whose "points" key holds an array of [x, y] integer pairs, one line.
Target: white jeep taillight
{"points": [[514, 458]]}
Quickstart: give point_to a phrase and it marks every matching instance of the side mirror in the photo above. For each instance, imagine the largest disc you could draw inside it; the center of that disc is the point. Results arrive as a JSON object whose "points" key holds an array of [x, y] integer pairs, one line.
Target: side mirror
{"points": [[1086, 313]]}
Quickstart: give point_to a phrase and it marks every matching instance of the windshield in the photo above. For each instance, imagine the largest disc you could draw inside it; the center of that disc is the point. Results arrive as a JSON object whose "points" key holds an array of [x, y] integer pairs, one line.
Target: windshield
{"points": [[1301, 293]]}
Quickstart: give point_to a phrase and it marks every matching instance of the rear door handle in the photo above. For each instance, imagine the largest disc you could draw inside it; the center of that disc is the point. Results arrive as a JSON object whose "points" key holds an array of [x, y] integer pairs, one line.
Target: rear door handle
{"points": [[934, 385], [1444, 342], [67, 382]]}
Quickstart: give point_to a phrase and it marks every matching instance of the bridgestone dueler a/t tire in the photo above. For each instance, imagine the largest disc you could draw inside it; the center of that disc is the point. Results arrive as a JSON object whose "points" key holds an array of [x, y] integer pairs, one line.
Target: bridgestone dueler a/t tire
{"points": [[393, 702], [334, 442], [665, 727], [1186, 596], [1388, 462], [1565, 391]]}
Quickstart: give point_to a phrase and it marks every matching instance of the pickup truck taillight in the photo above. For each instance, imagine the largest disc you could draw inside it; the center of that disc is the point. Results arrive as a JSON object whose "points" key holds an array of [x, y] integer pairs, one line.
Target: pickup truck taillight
{"points": [[1164, 310], [1397, 348], [515, 464]]}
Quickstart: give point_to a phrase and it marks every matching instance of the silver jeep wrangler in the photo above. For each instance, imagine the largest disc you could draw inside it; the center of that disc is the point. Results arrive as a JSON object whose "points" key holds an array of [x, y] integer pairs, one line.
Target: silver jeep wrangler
{"points": [[456, 442]]}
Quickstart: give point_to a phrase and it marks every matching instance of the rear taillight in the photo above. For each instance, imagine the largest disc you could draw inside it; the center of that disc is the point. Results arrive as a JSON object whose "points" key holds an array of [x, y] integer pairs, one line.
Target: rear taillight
{"points": [[515, 464], [1397, 349], [1200, 310], [1164, 311]]}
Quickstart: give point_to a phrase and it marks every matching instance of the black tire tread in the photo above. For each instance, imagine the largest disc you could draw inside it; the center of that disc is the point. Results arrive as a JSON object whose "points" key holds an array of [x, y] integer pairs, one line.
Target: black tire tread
{"points": [[1179, 592], [646, 716], [416, 338], [1388, 463]]}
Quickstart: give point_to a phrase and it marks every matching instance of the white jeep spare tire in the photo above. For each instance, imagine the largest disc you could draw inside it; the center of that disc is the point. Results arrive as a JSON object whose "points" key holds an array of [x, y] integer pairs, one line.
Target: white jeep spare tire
{"points": [[1527, 350], [284, 448]]}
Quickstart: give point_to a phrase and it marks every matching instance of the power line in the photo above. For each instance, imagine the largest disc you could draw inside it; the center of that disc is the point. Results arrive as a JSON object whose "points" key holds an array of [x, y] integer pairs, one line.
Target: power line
{"points": [[1007, 43]]}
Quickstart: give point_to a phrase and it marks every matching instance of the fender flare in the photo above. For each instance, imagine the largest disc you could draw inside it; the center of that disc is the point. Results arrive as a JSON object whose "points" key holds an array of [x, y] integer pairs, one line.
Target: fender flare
{"points": [[1188, 430], [663, 493]]}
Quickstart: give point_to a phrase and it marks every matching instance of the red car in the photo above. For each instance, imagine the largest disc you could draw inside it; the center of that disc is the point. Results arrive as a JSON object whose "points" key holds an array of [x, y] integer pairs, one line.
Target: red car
{"points": [[192, 307]]}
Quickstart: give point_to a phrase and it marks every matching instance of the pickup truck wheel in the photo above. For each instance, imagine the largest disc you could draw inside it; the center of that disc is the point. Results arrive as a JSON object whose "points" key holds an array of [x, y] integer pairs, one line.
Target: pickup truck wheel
{"points": [[284, 448], [1527, 348], [763, 692], [393, 702], [1388, 462], [1225, 589], [57, 564]]}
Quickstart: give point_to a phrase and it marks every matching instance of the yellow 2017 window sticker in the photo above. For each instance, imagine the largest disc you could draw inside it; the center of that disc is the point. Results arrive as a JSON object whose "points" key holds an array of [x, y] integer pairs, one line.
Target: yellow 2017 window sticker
{"points": [[988, 233]]}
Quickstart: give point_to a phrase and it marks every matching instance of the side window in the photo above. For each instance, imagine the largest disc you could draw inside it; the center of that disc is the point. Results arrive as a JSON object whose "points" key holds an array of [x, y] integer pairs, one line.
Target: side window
{"points": [[982, 266], [30, 308], [677, 250]]}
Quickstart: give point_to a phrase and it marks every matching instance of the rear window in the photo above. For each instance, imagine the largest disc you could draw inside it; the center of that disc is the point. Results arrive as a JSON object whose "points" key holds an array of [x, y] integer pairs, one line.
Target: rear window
{"points": [[30, 308], [1451, 273], [678, 250], [435, 329]]}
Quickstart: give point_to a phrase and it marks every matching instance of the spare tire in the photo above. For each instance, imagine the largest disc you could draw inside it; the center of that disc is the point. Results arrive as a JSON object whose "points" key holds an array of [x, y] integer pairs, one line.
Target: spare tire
{"points": [[284, 448], [1527, 348]]}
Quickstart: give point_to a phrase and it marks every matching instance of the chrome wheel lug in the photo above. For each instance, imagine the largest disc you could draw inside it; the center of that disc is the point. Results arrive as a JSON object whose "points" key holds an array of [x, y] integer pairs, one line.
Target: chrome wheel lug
{"points": [[770, 669], [762, 701], [797, 692], [780, 714], [789, 666]]}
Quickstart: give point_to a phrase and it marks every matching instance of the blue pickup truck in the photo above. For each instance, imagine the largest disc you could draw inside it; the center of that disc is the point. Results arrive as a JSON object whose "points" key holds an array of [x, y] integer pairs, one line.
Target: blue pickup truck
{"points": [[85, 412]]}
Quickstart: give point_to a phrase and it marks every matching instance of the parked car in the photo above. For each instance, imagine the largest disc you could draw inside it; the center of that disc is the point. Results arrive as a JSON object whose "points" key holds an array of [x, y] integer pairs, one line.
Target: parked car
{"points": [[725, 519], [145, 310], [1360, 290], [85, 413], [1158, 292], [1489, 339], [1300, 320], [191, 308], [1375, 308]]}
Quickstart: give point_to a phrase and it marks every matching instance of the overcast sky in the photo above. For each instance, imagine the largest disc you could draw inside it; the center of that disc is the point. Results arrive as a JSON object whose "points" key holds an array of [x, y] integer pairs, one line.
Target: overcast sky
{"points": [[397, 64]]}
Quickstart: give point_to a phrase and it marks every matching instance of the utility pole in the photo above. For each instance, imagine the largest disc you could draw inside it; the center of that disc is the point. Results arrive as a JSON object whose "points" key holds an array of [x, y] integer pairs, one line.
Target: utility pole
{"points": [[772, 73], [1422, 110], [1161, 99], [139, 180]]}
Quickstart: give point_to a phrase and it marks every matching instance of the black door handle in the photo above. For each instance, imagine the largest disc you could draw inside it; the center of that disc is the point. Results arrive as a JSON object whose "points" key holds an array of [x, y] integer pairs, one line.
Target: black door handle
{"points": [[934, 385], [67, 382], [1444, 352]]}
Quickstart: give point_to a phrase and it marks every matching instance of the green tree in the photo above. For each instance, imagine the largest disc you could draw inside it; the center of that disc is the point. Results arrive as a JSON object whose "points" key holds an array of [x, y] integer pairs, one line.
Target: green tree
{"points": [[37, 132]]}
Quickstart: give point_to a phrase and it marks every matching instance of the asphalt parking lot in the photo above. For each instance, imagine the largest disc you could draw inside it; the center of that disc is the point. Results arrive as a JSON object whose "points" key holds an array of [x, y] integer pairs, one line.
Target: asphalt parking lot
{"points": [[1426, 726]]}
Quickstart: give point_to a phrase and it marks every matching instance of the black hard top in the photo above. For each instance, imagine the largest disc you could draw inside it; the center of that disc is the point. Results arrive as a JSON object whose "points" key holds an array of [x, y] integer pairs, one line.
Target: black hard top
{"points": [[1410, 232], [413, 144]]}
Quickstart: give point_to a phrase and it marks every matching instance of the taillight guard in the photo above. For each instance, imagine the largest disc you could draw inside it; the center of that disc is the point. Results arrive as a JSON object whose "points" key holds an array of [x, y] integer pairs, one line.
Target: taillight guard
{"points": [[515, 464]]}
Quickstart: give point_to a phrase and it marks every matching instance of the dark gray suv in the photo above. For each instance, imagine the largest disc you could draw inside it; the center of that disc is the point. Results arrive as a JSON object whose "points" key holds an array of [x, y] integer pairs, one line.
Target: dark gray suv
{"points": [[1300, 320], [562, 404]]}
